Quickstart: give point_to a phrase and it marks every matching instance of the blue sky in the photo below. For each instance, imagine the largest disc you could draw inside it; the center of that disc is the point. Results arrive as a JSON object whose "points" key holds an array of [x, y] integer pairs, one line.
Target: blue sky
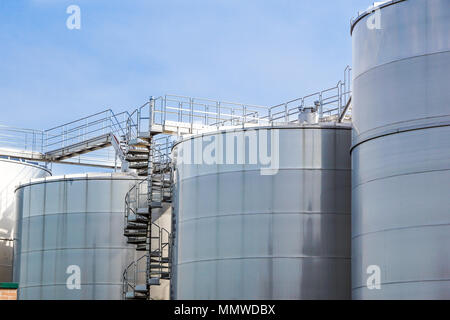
{"points": [[253, 51]]}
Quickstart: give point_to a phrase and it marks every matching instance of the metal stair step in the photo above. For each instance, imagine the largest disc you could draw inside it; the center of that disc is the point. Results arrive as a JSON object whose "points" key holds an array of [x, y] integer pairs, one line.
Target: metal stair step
{"points": [[138, 142], [137, 240], [160, 260], [144, 135], [142, 173], [141, 288], [142, 211], [135, 233], [161, 274], [136, 226], [156, 129], [165, 260], [137, 219], [141, 247], [155, 253], [165, 184], [155, 204], [137, 153], [154, 281], [131, 295], [138, 165]]}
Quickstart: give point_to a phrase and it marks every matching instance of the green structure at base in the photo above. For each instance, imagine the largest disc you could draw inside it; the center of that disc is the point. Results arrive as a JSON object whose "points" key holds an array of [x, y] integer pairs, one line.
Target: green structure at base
{"points": [[9, 285]]}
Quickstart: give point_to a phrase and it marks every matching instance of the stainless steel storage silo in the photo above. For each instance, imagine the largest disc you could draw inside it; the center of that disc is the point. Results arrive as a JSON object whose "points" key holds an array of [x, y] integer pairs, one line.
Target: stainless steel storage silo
{"points": [[263, 213], [12, 173], [401, 151], [70, 236]]}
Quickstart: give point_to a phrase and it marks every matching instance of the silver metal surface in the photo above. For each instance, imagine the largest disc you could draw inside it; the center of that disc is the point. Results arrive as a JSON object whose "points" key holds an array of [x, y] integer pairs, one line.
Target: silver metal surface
{"points": [[243, 235], [72, 220], [12, 173], [401, 151]]}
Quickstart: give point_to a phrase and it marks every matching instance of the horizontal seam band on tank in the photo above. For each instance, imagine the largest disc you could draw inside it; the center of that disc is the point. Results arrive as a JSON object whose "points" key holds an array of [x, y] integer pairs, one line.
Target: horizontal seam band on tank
{"points": [[266, 257], [401, 228], [398, 60], [67, 213], [266, 213], [77, 248], [54, 179], [367, 12], [320, 126], [399, 131], [28, 164], [398, 175], [405, 281], [259, 169], [403, 129], [65, 284]]}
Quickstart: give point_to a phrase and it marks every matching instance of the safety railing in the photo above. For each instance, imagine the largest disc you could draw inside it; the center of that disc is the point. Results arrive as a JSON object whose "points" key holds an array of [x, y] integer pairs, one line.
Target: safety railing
{"points": [[136, 197], [329, 103], [134, 274], [138, 122], [86, 128], [21, 139], [206, 112], [198, 113], [19, 143], [161, 245], [162, 146]]}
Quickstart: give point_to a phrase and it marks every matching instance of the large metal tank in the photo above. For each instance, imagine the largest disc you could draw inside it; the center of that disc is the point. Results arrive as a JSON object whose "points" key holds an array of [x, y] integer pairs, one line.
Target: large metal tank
{"points": [[401, 151], [70, 228], [12, 173], [244, 231]]}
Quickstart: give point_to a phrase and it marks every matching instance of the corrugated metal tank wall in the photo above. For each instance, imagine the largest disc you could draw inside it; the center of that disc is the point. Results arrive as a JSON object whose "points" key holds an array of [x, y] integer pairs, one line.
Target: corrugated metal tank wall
{"points": [[12, 173], [401, 151], [243, 235], [74, 220]]}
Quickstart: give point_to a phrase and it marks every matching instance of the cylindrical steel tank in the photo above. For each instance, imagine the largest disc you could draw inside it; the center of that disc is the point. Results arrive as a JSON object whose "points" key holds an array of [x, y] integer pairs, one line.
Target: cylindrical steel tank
{"points": [[70, 232], [401, 151], [244, 231], [12, 173]]}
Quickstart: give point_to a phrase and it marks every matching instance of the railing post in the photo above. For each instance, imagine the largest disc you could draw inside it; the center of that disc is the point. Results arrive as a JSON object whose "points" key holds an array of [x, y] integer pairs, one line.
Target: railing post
{"points": [[218, 113], [42, 142], [151, 111], [286, 118], [135, 273], [138, 122], [339, 88], [191, 106], [320, 106], [164, 111]]}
